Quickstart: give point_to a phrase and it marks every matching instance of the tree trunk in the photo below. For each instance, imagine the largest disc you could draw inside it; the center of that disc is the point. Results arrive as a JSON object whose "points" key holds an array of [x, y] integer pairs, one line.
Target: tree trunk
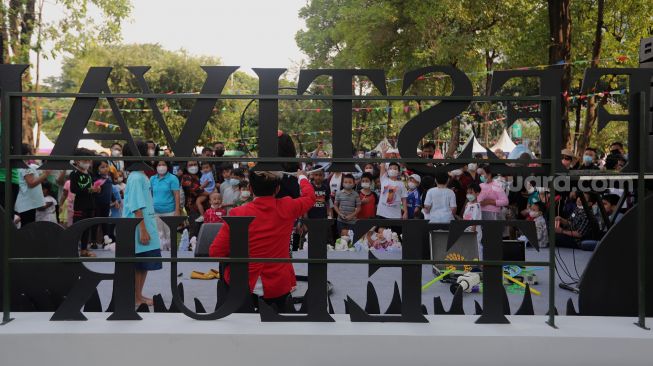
{"points": [[455, 138], [590, 116], [578, 109], [389, 124], [560, 51], [359, 130]]}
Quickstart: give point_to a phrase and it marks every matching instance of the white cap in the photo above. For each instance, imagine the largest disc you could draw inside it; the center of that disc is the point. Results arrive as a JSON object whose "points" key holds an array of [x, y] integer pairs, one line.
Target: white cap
{"points": [[416, 177]]}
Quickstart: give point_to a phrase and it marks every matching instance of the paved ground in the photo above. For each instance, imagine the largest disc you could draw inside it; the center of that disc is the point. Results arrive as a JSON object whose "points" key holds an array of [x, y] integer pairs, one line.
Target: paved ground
{"points": [[351, 280]]}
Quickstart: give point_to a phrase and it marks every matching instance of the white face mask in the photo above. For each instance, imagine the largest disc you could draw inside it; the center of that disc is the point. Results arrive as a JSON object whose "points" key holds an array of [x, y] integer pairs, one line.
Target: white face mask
{"points": [[412, 185], [361, 156], [116, 153], [471, 167], [344, 238], [84, 166], [365, 185], [193, 169], [348, 186], [530, 189], [244, 194], [369, 170], [119, 180], [393, 173], [150, 152], [161, 169]]}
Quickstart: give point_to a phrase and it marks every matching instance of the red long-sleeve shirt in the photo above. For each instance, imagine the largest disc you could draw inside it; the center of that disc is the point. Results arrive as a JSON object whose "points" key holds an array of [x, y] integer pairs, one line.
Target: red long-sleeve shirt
{"points": [[269, 237]]}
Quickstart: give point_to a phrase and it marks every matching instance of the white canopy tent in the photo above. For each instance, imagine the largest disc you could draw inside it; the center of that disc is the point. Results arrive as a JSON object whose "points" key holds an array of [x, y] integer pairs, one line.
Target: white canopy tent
{"points": [[45, 145], [92, 145], [476, 147], [505, 143]]}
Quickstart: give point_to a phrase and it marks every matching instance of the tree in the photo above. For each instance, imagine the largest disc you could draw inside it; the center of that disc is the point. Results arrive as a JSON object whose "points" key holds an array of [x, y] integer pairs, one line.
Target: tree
{"points": [[401, 35], [479, 37], [75, 30], [171, 72]]}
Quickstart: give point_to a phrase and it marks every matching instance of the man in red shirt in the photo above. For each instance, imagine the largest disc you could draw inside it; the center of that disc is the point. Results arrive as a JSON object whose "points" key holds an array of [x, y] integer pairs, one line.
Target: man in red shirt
{"points": [[269, 234]]}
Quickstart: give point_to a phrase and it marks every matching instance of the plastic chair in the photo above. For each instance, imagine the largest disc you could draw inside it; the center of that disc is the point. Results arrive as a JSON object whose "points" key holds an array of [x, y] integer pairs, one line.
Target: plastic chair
{"points": [[207, 233]]}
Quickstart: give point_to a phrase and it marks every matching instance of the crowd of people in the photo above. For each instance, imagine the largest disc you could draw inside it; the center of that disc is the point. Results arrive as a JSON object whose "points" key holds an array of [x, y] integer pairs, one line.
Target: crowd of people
{"points": [[207, 192]]}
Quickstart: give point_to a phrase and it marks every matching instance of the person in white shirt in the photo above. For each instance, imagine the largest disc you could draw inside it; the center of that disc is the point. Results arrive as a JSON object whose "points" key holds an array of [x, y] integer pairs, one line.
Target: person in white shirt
{"points": [[440, 201], [49, 210], [473, 212], [393, 194]]}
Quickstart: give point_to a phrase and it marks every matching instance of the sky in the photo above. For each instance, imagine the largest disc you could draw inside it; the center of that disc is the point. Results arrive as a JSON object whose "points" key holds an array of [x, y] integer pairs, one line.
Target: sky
{"points": [[245, 33]]}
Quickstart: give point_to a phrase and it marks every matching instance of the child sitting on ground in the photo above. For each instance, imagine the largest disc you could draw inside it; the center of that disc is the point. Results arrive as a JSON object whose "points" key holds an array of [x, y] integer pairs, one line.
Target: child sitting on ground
{"points": [[382, 239], [48, 211], [216, 212], [344, 242], [207, 183]]}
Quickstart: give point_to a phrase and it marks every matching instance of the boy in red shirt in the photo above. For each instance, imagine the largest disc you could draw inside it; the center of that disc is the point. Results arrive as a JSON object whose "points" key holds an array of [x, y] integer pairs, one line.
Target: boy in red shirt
{"points": [[368, 197], [216, 211], [273, 223]]}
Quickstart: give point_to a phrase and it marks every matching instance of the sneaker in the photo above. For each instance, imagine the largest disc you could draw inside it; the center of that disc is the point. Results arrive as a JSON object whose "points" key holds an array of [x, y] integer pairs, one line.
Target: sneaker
{"points": [[110, 247], [107, 240], [200, 219]]}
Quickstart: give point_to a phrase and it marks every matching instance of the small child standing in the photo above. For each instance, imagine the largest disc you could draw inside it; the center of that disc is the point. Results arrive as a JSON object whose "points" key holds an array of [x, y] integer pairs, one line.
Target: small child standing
{"points": [[229, 188], [207, 183], [413, 201], [81, 185], [440, 201], [537, 213], [473, 212], [48, 211], [347, 203], [245, 194], [216, 212], [369, 199]]}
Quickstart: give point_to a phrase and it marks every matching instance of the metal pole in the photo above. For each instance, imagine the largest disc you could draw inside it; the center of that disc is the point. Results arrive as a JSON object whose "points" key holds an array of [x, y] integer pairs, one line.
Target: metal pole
{"points": [[641, 213], [552, 212], [8, 214]]}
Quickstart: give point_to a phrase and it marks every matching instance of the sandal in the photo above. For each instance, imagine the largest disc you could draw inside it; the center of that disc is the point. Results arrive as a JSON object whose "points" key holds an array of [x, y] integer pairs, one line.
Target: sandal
{"points": [[86, 253], [196, 275]]}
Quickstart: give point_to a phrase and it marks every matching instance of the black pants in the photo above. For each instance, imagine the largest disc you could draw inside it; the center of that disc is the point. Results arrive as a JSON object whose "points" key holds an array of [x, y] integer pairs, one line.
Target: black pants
{"points": [[27, 217], [566, 241], [14, 194], [278, 303], [101, 211], [79, 215]]}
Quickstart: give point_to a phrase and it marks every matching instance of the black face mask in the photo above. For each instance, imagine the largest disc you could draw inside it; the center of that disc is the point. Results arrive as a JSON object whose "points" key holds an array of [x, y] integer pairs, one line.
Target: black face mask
{"points": [[219, 152], [615, 152]]}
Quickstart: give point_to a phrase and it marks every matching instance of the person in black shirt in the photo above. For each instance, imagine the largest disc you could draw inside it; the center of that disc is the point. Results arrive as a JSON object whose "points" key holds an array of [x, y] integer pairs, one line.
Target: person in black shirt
{"points": [[102, 201], [321, 208], [81, 184]]}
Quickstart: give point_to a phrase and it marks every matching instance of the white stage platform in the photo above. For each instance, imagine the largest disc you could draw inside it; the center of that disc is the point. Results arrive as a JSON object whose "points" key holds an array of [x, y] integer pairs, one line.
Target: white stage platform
{"points": [[241, 339]]}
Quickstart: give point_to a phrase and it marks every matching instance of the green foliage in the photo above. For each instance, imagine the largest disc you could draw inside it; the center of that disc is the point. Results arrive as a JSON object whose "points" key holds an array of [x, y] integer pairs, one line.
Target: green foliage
{"points": [[171, 72], [475, 36]]}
